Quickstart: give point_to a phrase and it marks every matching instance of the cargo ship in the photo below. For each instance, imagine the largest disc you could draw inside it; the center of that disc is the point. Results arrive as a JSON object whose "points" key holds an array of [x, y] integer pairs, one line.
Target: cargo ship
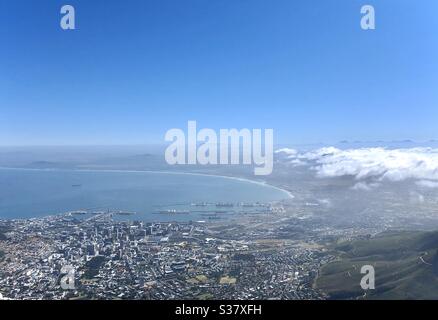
{"points": [[172, 211]]}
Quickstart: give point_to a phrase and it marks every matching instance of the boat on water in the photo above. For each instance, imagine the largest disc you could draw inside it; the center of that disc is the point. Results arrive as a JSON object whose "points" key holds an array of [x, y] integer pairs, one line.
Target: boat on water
{"points": [[201, 204], [124, 213], [223, 204], [78, 212], [172, 211]]}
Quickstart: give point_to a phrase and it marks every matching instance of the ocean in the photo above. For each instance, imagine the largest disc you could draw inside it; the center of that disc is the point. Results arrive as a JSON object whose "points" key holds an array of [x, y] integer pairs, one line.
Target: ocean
{"points": [[149, 196]]}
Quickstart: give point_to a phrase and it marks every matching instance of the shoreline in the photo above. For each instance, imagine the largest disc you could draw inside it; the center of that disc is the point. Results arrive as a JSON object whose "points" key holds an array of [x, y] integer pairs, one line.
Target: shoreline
{"points": [[261, 183]]}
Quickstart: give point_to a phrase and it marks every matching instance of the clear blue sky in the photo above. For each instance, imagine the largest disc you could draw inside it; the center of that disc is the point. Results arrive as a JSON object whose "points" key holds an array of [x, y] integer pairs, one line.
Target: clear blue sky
{"points": [[134, 69]]}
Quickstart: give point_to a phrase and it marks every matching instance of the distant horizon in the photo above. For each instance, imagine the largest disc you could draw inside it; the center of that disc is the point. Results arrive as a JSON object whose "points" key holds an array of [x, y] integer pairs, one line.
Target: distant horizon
{"points": [[164, 144]]}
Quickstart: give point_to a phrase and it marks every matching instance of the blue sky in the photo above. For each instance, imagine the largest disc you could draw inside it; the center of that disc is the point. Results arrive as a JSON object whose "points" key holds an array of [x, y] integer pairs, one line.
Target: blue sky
{"points": [[133, 69]]}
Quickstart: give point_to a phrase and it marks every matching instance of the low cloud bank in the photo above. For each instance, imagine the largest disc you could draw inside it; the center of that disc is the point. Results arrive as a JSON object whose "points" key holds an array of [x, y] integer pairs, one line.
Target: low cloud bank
{"points": [[427, 184], [376, 164]]}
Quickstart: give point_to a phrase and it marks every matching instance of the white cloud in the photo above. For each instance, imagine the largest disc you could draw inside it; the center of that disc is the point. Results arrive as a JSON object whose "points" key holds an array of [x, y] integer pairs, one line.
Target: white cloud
{"points": [[427, 184], [365, 186], [287, 151], [292, 155], [298, 162], [375, 164]]}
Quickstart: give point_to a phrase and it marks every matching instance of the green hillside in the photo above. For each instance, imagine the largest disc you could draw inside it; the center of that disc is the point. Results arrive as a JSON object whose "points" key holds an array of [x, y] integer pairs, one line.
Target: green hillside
{"points": [[406, 266]]}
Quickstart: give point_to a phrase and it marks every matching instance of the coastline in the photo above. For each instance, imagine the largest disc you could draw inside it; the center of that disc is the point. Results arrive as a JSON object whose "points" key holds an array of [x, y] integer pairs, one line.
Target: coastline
{"points": [[261, 183]]}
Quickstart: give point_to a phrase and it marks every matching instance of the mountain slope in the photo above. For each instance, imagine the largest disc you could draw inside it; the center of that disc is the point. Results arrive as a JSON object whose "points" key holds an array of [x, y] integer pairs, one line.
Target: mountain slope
{"points": [[406, 267]]}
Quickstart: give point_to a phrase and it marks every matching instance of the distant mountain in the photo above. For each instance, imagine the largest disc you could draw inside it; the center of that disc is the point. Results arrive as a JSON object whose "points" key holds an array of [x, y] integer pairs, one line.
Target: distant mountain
{"points": [[403, 141], [382, 143], [406, 267]]}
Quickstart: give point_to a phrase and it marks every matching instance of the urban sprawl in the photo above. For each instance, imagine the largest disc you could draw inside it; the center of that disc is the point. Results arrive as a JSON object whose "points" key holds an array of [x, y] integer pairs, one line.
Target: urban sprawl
{"points": [[100, 257]]}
